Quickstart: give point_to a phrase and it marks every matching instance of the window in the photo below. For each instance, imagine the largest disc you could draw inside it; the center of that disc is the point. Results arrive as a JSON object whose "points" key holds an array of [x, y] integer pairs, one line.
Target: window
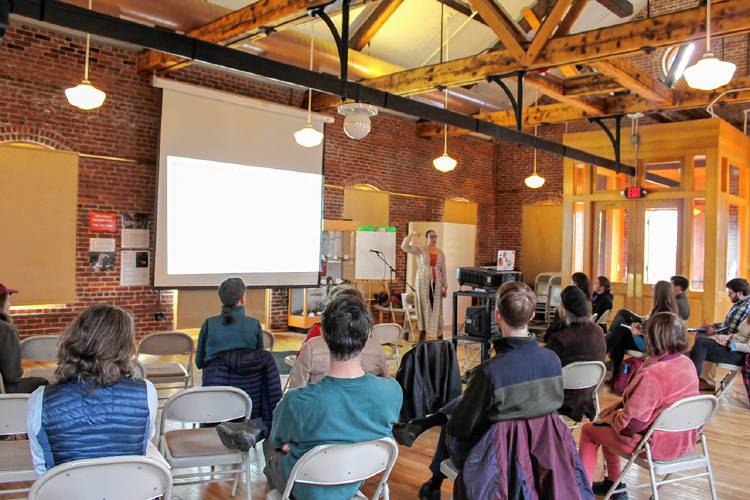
{"points": [[579, 178], [613, 244], [579, 226], [698, 250], [735, 180], [609, 180], [733, 242], [699, 172], [660, 244], [663, 175]]}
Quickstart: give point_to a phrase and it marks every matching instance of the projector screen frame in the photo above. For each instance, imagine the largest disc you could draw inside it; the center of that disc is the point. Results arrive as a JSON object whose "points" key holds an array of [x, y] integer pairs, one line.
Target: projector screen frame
{"points": [[231, 98]]}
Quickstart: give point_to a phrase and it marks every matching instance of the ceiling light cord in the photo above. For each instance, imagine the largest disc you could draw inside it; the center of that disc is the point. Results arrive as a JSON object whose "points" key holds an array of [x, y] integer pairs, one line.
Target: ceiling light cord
{"points": [[708, 26], [309, 91], [88, 48]]}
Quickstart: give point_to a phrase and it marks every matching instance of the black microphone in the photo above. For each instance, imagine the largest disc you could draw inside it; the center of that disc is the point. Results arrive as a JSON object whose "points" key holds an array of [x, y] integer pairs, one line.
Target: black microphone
{"points": [[375, 251]]}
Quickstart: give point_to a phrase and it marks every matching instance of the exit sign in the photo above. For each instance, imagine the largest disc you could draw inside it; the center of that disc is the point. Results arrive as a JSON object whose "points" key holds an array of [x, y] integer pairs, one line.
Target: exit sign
{"points": [[633, 193]]}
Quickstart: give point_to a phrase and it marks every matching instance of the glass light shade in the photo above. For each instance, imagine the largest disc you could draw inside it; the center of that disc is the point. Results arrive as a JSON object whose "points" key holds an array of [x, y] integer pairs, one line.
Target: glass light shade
{"points": [[308, 137], [85, 96], [534, 181], [444, 163], [709, 73]]}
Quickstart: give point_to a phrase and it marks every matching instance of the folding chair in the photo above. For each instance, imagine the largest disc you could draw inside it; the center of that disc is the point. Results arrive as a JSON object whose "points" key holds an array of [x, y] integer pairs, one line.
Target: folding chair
{"points": [[2, 384], [15, 455], [407, 302], [40, 348], [541, 290], [584, 375], [112, 478], [732, 372], [268, 340], [602, 320], [684, 415], [337, 464], [139, 371], [168, 344], [190, 448], [388, 335], [555, 290]]}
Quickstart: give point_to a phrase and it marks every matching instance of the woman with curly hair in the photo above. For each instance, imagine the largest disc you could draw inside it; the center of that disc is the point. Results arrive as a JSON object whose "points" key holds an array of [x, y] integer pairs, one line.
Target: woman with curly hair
{"points": [[97, 408]]}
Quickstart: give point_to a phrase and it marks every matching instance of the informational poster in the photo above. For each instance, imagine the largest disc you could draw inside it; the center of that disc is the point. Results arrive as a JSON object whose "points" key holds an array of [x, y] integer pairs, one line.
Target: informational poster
{"points": [[102, 222], [102, 254], [135, 267], [135, 230], [506, 260]]}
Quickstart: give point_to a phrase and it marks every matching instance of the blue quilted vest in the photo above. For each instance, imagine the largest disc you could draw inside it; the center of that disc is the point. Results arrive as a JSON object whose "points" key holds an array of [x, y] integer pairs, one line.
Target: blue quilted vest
{"points": [[81, 421]]}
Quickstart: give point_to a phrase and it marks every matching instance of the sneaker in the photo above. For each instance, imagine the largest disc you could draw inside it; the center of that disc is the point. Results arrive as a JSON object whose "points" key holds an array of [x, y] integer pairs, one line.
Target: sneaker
{"points": [[602, 487], [406, 434], [425, 493]]}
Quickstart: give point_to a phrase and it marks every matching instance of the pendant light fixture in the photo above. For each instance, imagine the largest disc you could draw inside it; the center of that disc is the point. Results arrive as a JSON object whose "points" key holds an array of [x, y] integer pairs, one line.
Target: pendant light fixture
{"points": [[309, 136], [84, 95], [444, 163], [534, 181], [709, 73]]}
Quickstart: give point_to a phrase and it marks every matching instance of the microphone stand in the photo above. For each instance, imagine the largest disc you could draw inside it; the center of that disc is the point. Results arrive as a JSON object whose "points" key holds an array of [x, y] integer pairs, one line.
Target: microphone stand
{"points": [[393, 270]]}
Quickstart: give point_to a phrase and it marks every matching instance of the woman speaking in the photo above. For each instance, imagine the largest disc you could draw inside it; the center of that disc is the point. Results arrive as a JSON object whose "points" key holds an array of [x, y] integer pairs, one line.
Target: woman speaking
{"points": [[431, 282]]}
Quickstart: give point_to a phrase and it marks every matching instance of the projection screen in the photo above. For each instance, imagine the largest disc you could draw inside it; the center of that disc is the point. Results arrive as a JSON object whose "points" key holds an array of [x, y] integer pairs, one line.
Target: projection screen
{"points": [[236, 195]]}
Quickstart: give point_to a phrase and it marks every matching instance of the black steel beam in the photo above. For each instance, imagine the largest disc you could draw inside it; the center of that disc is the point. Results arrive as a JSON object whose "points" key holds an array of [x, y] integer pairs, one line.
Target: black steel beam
{"points": [[77, 18]]}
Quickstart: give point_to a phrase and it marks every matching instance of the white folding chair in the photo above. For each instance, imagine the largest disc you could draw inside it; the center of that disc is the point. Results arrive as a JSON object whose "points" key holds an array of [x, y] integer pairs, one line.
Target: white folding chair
{"points": [[268, 340], [732, 371], [2, 384], [168, 344], [15, 455], [541, 290], [684, 415], [139, 371], [407, 302], [41, 348], [584, 375], [190, 448], [602, 320], [388, 335], [337, 464], [555, 290], [111, 478]]}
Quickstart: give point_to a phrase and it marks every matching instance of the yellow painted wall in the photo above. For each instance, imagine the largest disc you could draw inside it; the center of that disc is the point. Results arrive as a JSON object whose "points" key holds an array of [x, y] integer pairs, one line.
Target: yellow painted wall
{"points": [[541, 240]]}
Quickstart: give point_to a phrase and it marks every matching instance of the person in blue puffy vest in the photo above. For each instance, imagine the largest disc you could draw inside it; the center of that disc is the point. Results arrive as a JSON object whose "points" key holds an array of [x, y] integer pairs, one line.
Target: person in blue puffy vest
{"points": [[97, 408], [231, 330]]}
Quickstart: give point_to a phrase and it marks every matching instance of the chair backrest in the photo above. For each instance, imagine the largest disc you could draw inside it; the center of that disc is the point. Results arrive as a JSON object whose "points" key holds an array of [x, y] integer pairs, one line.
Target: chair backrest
{"points": [[166, 344], [583, 374], [40, 348], [2, 384], [686, 414], [206, 405], [604, 317], [111, 478], [556, 279], [13, 414], [268, 340], [139, 371], [554, 295], [330, 465], [541, 284], [386, 333]]}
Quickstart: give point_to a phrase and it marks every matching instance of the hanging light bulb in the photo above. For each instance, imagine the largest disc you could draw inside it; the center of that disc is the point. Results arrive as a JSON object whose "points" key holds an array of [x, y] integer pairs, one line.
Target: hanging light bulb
{"points": [[84, 95], [534, 181], [309, 136], [709, 73], [444, 163]]}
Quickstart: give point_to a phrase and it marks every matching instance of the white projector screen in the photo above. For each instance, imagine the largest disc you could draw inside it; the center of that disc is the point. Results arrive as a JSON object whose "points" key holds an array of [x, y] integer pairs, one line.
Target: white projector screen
{"points": [[236, 195]]}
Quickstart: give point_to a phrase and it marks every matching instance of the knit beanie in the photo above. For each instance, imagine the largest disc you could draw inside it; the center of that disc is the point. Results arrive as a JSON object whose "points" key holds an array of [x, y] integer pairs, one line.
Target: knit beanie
{"points": [[575, 302]]}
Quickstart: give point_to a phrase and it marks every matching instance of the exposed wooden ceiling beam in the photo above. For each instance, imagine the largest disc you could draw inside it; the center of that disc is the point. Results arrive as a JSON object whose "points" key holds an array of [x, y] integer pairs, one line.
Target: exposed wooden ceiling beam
{"points": [[559, 113], [530, 16], [731, 17], [620, 8], [634, 78], [367, 30], [463, 9], [590, 84], [545, 31], [230, 27], [571, 17], [502, 26], [554, 88]]}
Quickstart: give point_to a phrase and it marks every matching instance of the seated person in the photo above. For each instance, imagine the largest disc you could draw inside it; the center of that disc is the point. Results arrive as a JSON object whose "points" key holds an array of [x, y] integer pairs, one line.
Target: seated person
{"points": [[232, 329], [10, 351], [622, 338], [681, 284], [96, 397], [314, 359], [581, 281], [346, 406], [718, 348], [581, 340], [315, 330], [665, 377], [522, 380], [602, 298]]}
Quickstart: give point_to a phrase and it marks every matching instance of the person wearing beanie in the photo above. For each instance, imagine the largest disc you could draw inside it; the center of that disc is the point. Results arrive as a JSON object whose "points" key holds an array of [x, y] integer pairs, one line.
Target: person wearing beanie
{"points": [[230, 330], [580, 340]]}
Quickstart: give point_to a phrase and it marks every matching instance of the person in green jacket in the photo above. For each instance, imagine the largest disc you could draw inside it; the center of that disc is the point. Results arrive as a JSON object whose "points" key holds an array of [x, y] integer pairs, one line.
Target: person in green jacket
{"points": [[230, 330]]}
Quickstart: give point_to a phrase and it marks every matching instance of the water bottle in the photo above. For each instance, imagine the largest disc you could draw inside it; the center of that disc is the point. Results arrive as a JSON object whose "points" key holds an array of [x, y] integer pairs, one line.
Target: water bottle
{"points": [[625, 369]]}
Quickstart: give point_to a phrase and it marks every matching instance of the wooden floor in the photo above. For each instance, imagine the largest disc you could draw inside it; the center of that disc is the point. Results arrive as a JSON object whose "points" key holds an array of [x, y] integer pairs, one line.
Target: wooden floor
{"points": [[728, 443]]}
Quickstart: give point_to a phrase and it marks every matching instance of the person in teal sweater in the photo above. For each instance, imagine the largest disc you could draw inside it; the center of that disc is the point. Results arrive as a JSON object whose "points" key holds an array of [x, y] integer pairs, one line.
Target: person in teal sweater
{"points": [[346, 406], [232, 329]]}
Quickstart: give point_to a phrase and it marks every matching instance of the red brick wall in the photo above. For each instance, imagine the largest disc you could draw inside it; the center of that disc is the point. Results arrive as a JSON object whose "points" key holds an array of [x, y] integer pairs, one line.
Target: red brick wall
{"points": [[35, 68]]}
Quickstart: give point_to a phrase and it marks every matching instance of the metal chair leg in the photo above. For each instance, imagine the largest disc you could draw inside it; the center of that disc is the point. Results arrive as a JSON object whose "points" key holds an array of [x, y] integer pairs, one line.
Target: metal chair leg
{"points": [[248, 480]]}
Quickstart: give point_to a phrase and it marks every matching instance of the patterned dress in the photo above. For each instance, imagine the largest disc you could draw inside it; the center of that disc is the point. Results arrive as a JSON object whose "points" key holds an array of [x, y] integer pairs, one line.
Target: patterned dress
{"points": [[429, 312]]}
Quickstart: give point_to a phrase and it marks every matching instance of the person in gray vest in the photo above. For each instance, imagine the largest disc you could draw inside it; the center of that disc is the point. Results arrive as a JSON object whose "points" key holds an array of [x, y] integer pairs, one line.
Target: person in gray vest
{"points": [[96, 397]]}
